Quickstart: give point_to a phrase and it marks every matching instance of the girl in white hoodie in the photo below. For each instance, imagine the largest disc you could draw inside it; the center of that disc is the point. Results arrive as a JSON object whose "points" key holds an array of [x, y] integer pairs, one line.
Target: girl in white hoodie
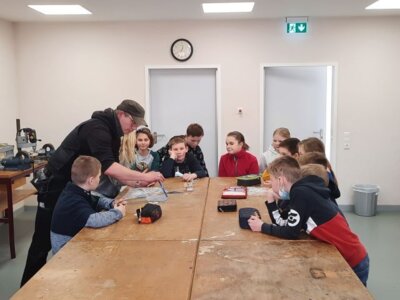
{"points": [[279, 135]]}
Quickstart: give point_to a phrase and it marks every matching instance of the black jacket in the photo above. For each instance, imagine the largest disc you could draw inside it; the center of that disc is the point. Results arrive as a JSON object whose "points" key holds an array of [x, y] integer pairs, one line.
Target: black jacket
{"points": [[189, 165], [99, 137]]}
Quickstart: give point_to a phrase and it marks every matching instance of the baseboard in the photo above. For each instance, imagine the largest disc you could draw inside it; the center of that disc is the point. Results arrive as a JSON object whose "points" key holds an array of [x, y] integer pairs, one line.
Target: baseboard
{"points": [[379, 208], [30, 207], [388, 208]]}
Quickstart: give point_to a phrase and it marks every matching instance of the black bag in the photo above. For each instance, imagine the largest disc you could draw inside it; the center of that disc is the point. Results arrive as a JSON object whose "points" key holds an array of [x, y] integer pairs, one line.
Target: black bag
{"points": [[108, 186], [245, 214], [148, 213]]}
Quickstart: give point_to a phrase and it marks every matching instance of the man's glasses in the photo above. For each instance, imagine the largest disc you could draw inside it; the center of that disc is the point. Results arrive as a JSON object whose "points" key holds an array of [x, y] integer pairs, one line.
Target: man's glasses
{"points": [[130, 118]]}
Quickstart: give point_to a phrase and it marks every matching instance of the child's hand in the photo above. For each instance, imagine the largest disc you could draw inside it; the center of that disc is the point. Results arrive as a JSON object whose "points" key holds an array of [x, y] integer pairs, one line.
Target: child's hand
{"points": [[189, 176], [121, 208], [271, 196], [119, 201], [255, 223], [172, 154]]}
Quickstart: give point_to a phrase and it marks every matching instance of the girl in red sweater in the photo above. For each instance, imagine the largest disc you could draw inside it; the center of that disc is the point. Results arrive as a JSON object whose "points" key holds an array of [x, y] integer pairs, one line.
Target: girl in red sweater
{"points": [[237, 162]]}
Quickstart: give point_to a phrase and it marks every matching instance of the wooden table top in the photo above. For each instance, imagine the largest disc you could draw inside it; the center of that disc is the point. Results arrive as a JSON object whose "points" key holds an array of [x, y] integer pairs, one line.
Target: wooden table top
{"points": [[115, 270], [193, 252], [181, 217], [273, 270]]}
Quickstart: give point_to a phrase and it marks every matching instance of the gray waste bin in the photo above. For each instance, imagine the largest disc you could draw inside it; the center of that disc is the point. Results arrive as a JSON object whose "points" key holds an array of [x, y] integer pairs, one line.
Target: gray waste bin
{"points": [[365, 199]]}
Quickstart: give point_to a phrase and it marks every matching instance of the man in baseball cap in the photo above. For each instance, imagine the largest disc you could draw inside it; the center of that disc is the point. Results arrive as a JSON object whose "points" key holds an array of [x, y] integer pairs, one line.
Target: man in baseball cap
{"points": [[100, 137]]}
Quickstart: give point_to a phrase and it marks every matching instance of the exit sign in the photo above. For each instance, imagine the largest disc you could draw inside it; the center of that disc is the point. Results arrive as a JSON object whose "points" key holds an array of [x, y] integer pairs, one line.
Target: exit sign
{"points": [[300, 27]]}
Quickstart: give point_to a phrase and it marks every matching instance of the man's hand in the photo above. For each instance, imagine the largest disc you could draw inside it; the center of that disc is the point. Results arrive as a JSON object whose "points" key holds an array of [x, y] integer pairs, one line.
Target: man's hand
{"points": [[153, 177], [255, 223]]}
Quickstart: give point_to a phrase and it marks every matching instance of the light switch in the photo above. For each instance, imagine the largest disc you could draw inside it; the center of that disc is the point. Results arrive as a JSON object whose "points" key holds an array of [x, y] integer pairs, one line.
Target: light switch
{"points": [[346, 140]]}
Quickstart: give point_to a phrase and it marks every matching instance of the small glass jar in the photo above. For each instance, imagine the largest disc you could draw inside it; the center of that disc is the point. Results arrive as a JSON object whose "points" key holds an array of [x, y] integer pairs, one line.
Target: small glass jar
{"points": [[189, 186]]}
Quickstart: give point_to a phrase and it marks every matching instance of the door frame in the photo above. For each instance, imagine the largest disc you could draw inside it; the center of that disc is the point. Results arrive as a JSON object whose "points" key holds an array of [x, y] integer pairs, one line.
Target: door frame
{"points": [[217, 68], [333, 92]]}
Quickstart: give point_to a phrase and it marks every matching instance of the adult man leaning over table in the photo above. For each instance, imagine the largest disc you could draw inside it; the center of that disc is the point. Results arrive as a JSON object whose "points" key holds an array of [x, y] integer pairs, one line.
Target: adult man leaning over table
{"points": [[99, 137]]}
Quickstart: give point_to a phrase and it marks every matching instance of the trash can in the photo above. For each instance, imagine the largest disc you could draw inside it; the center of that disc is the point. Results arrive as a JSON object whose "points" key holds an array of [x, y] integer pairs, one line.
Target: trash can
{"points": [[365, 199]]}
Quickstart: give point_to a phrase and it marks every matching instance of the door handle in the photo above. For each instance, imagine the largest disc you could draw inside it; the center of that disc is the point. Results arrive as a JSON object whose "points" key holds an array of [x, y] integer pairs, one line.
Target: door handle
{"points": [[320, 132], [156, 136]]}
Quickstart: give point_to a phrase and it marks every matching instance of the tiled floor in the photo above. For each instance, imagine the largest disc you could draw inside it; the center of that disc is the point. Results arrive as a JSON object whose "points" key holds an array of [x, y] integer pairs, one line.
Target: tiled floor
{"points": [[380, 234], [11, 269]]}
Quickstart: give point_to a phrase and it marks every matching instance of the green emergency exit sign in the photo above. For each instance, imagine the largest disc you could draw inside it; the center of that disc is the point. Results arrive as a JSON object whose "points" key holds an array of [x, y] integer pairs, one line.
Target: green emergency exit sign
{"points": [[298, 27]]}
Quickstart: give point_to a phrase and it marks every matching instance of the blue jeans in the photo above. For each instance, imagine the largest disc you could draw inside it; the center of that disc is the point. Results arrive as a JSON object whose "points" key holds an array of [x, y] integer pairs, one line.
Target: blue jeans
{"points": [[362, 270]]}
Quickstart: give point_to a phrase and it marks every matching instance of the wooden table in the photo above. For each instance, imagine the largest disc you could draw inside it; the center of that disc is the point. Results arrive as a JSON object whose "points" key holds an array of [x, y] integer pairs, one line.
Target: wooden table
{"points": [[9, 195], [193, 252]]}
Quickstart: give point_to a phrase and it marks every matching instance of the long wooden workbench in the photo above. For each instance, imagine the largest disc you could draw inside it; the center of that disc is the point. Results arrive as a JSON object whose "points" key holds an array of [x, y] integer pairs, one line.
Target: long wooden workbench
{"points": [[193, 252]]}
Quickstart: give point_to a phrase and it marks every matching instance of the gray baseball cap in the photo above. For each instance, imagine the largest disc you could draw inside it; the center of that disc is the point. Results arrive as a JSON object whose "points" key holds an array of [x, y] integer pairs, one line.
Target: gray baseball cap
{"points": [[134, 109]]}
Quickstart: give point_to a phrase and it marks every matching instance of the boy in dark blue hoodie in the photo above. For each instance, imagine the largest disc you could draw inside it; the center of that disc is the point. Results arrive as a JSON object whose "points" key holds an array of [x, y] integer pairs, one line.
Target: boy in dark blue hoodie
{"points": [[310, 209], [77, 208]]}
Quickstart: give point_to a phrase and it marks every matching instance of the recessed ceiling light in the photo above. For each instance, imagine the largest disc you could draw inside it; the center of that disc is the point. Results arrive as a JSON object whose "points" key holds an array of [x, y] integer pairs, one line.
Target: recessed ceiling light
{"points": [[385, 4], [233, 7], [61, 9]]}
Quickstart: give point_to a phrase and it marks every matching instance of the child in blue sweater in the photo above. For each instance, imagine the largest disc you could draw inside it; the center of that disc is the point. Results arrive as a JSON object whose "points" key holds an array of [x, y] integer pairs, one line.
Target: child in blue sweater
{"points": [[77, 208]]}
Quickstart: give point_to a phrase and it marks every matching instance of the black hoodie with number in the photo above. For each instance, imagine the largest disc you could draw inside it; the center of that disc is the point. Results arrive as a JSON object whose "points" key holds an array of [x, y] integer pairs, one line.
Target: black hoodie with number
{"points": [[311, 209]]}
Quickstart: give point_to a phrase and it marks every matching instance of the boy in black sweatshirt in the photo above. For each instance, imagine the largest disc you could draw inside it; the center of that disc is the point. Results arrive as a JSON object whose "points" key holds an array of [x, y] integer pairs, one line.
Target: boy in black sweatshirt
{"points": [[181, 162], [310, 209]]}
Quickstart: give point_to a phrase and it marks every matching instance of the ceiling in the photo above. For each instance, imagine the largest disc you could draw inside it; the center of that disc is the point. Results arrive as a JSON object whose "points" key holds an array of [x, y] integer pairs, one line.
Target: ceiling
{"points": [[131, 10]]}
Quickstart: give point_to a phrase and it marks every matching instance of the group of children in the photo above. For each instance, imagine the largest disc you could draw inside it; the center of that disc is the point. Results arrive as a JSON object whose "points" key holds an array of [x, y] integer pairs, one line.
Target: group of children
{"points": [[303, 196], [182, 156], [78, 207], [303, 185]]}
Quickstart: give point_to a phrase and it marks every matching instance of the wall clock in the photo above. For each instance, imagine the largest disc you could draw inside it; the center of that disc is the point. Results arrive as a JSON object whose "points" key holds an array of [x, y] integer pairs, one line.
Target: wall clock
{"points": [[181, 49]]}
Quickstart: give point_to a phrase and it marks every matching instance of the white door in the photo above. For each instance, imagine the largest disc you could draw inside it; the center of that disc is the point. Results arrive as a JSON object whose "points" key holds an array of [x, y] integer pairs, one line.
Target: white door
{"points": [[179, 97], [298, 98]]}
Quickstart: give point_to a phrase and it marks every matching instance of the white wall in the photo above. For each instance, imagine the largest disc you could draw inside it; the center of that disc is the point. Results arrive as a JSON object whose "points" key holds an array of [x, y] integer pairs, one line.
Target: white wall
{"points": [[8, 86], [65, 71]]}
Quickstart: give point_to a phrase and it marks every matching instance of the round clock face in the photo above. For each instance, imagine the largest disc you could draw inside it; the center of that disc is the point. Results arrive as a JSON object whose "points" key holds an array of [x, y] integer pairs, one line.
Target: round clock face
{"points": [[181, 49]]}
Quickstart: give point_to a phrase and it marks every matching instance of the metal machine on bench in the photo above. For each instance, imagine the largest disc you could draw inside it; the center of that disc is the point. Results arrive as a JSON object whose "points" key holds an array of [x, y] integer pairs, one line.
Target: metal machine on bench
{"points": [[26, 138]]}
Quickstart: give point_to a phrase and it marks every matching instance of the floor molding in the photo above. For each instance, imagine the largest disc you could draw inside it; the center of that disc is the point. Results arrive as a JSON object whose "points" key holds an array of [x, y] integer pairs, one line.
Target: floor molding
{"points": [[379, 208]]}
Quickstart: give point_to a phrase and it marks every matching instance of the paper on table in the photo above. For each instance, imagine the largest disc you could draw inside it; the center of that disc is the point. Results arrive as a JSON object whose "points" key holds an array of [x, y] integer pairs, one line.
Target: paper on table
{"points": [[134, 193], [257, 191]]}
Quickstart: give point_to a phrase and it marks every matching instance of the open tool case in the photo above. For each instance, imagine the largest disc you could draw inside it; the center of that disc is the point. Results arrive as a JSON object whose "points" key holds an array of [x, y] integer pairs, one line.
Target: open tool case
{"points": [[227, 205]]}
